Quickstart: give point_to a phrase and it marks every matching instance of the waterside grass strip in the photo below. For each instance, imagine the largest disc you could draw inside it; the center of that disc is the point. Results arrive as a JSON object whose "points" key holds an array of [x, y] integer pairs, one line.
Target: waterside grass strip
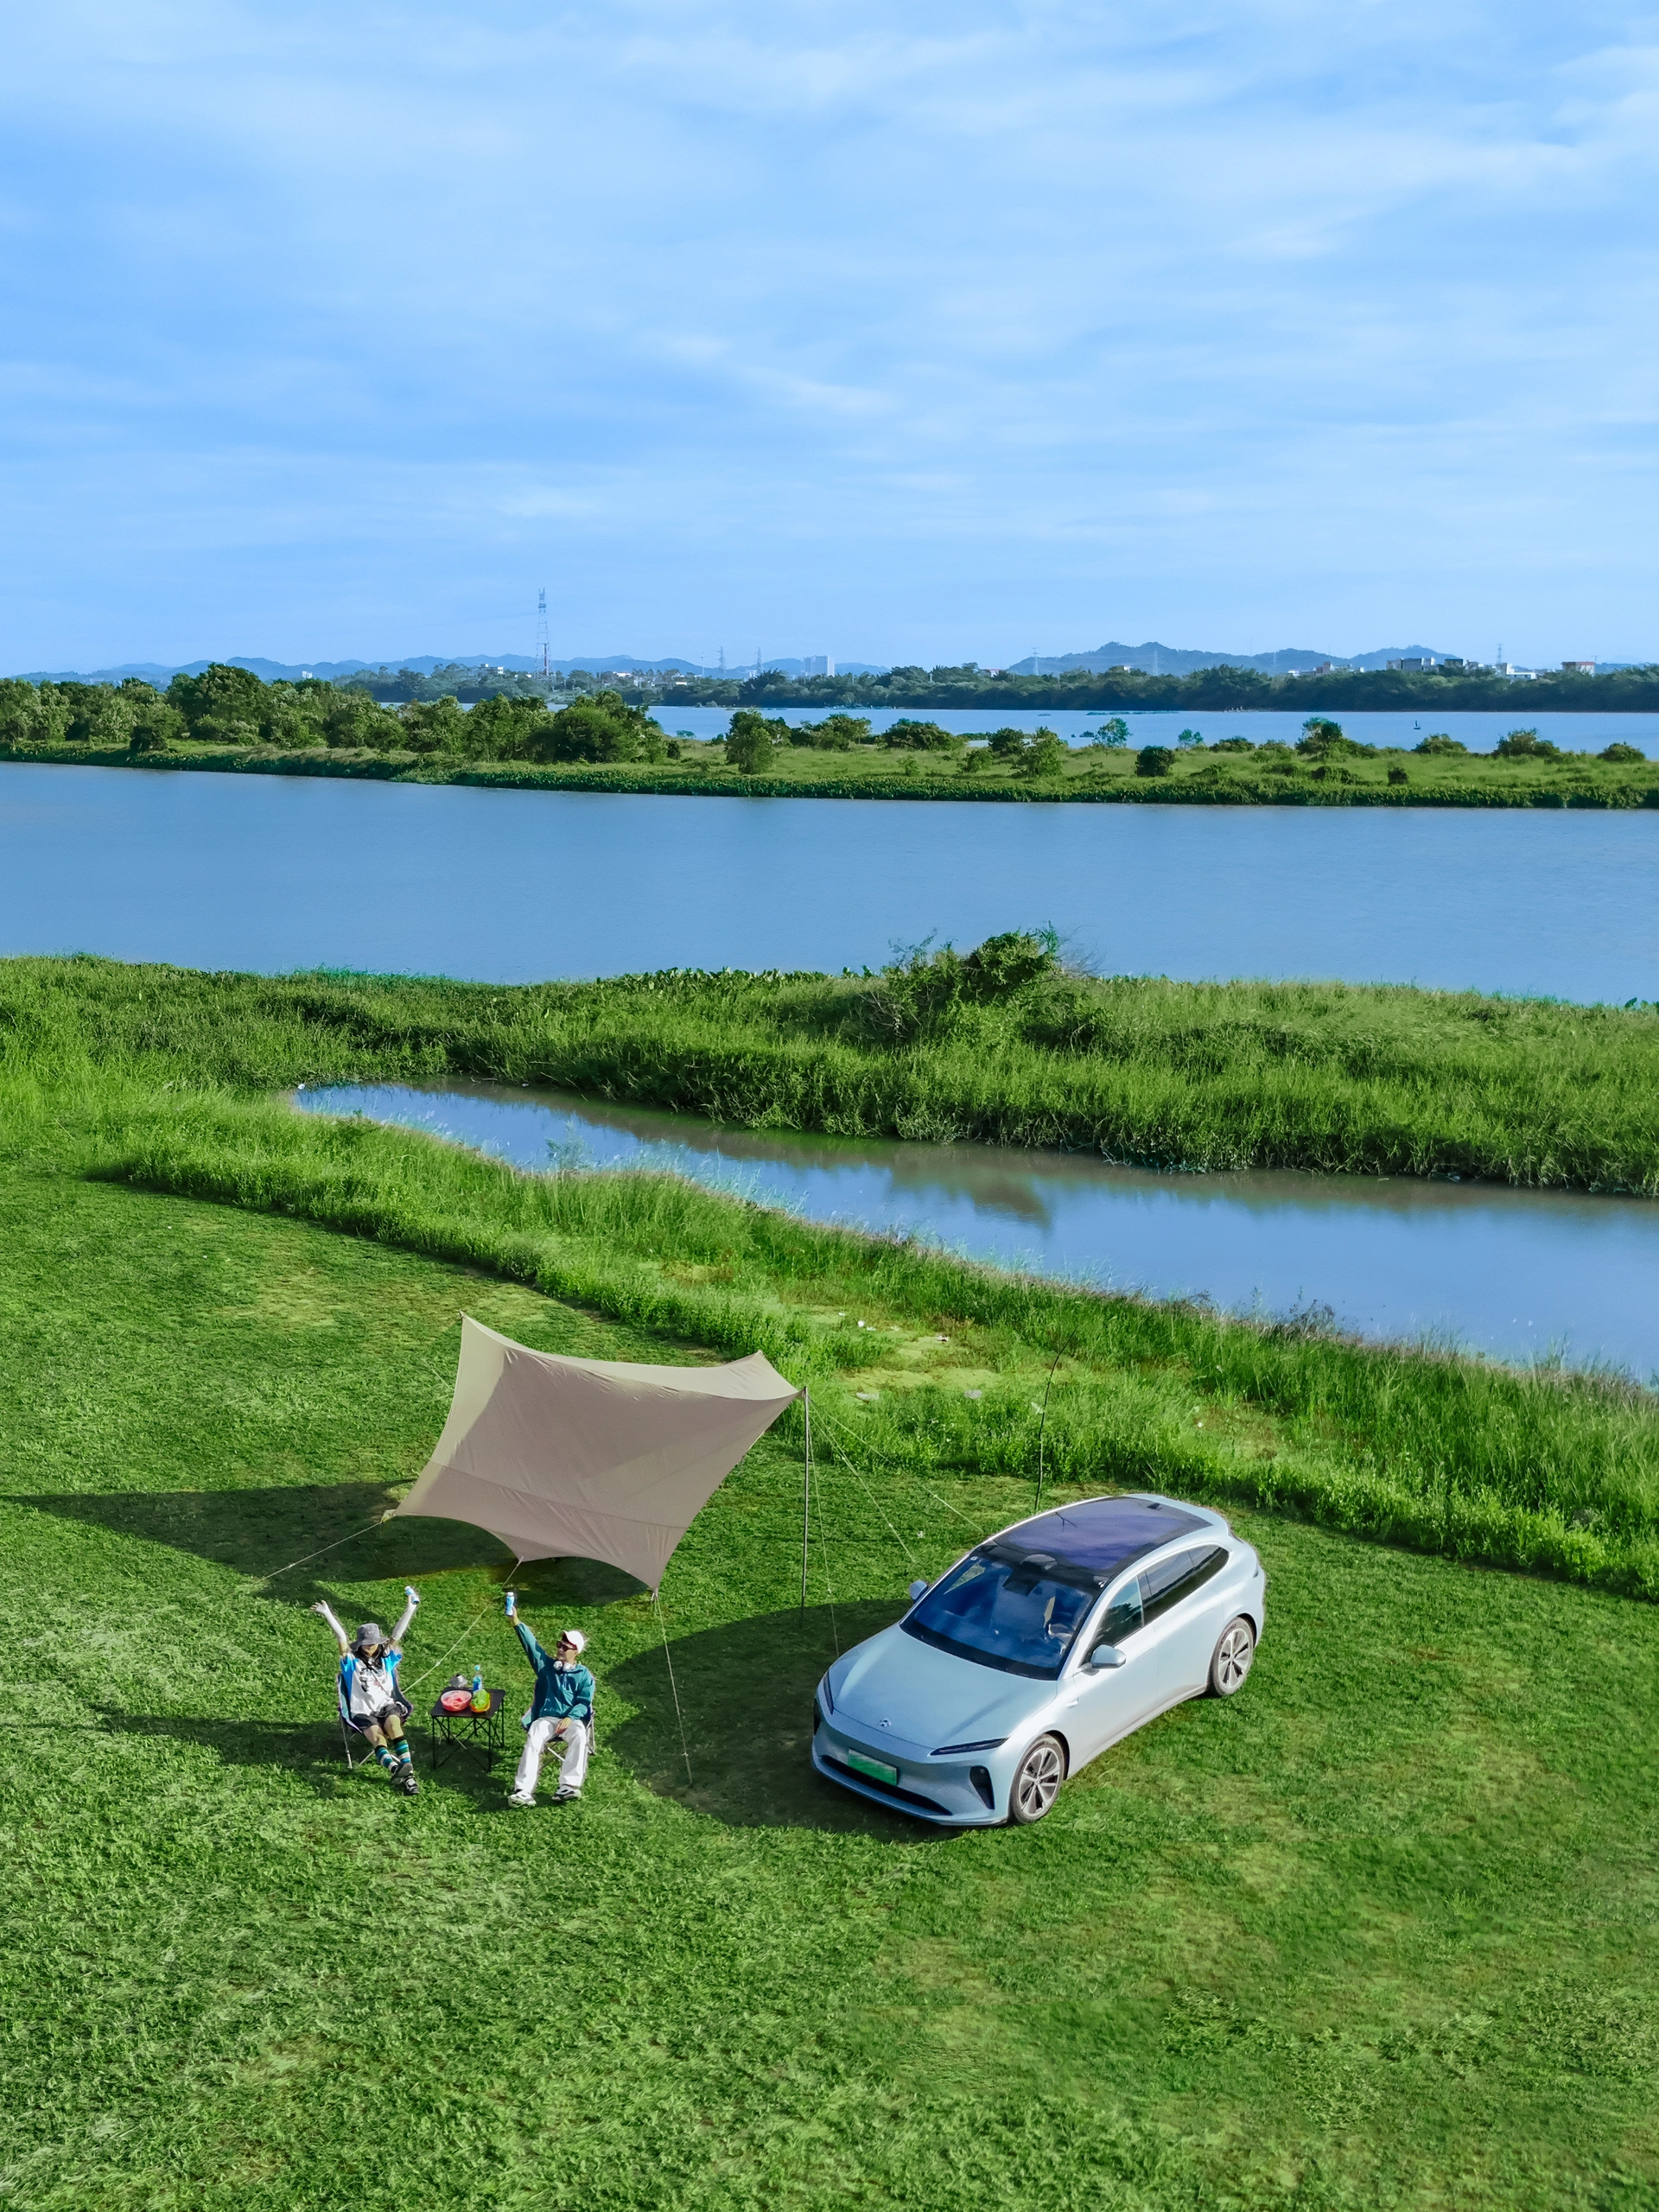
{"points": [[1600, 791], [1329, 1076]]}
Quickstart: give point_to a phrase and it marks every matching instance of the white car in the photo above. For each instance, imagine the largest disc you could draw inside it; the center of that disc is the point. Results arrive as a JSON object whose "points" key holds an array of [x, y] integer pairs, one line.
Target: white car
{"points": [[1041, 1648]]}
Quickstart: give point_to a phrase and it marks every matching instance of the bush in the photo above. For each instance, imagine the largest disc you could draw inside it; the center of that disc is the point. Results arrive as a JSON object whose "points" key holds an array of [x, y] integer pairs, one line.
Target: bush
{"points": [[154, 726], [1189, 738], [1437, 741], [1154, 760], [1114, 734], [1232, 744], [834, 733], [1006, 744], [752, 741], [1397, 774], [224, 704], [602, 726], [1526, 744], [1044, 757], [922, 737], [438, 726], [1620, 752], [1323, 740]]}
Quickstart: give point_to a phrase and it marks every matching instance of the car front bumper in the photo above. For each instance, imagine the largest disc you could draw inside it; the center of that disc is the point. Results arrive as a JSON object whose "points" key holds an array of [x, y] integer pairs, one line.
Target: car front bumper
{"points": [[928, 1788]]}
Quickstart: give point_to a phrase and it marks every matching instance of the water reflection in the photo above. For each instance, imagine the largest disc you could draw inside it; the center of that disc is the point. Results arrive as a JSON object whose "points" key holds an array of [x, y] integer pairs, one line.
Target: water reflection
{"points": [[1519, 1274]]}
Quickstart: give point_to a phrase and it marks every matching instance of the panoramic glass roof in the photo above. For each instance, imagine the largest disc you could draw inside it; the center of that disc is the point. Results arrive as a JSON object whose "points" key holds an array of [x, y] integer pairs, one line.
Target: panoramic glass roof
{"points": [[1100, 1534]]}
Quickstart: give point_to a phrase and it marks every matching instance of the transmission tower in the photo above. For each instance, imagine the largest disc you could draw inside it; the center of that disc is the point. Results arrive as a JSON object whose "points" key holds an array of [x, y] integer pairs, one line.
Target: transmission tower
{"points": [[540, 630]]}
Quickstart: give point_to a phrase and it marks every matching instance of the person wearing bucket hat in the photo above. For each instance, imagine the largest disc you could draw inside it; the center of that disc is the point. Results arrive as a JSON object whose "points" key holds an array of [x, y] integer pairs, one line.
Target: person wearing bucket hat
{"points": [[562, 1710], [370, 1700]]}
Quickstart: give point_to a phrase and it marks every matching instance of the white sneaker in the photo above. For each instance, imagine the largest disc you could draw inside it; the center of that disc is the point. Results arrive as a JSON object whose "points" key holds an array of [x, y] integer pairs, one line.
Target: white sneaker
{"points": [[525, 1804], [566, 1796]]}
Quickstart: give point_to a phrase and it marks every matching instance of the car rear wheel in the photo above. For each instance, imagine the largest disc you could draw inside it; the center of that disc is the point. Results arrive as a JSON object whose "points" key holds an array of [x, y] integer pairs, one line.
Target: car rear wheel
{"points": [[1037, 1782], [1234, 1655]]}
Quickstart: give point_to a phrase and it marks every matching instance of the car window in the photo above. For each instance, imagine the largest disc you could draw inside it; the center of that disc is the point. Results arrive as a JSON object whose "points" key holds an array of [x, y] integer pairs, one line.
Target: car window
{"points": [[1020, 1614], [1124, 1615], [1166, 1581]]}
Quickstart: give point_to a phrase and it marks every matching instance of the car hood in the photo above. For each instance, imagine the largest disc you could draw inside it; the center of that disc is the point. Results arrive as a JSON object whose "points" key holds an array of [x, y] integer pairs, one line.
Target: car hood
{"points": [[930, 1697]]}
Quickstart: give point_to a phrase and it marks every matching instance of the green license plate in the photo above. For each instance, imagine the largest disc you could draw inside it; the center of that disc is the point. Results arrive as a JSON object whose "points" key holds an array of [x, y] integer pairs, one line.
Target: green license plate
{"points": [[873, 1768]]}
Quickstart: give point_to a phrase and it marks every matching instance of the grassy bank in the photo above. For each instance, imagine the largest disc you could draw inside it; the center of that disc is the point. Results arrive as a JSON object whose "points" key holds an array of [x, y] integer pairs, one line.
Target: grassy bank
{"points": [[1371, 1935], [1195, 778], [1380, 1080], [159, 1081]]}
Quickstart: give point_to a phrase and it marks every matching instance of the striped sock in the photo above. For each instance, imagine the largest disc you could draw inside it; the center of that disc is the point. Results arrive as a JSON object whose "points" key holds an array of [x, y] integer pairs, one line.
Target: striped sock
{"points": [[402, 1749], [385, 1758]]}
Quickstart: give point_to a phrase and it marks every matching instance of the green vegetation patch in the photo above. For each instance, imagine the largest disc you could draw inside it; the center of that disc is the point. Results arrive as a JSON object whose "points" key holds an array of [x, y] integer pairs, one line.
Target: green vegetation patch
{"points": [[1373, 1934]]}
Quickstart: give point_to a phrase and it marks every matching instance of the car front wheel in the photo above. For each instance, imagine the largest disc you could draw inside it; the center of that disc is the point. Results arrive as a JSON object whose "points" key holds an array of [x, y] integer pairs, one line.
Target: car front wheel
{"points": [[1037, 1782], [1234, 1654]]}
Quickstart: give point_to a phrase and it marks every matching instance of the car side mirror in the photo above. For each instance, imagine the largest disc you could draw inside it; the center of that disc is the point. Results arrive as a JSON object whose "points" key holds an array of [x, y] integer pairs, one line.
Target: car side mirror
{"points": [[1105, 1655], [919, 1589]]}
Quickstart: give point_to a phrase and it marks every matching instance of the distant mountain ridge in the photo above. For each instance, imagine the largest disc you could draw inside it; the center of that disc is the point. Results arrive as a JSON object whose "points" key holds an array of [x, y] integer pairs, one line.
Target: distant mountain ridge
{"points": [[1155, 658], [162, 673]]}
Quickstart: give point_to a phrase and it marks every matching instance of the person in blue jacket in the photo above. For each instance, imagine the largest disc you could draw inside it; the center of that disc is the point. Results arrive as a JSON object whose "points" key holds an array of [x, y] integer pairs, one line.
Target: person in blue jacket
{"points": [[563, 1709]]}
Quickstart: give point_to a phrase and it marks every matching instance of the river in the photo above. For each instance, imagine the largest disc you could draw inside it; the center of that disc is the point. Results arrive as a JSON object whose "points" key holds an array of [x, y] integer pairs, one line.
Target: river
{"points": [[278, 873], [1520, 1275]]}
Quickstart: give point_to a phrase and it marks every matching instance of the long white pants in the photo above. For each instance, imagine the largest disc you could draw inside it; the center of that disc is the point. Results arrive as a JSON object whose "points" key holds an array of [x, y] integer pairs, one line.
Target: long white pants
{"points": [[538, 1737]]}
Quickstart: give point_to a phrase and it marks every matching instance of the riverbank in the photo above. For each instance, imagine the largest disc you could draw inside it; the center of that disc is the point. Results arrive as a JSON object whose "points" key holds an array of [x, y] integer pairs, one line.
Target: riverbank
{"points": [[160, 1082], [1196, 778], [1342, 1079]]}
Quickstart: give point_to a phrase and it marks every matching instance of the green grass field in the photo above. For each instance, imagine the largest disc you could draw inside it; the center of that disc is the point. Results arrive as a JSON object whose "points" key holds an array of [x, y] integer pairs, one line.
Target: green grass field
{"points": [[1377, 1933]]}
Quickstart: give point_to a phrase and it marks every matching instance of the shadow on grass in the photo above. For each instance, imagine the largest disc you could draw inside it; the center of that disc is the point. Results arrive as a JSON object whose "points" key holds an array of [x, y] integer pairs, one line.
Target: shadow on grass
{"points": [[310, 1750], [255, 1532], [745, 1691]]}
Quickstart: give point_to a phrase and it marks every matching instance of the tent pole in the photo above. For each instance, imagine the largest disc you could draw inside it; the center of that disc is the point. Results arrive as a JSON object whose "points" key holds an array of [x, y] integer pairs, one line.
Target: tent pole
{"points": [[1042, 1428], [806, 1493]]}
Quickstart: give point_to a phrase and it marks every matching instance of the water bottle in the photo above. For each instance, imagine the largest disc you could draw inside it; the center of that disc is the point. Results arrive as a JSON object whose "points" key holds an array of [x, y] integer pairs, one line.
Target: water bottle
{"points": [[480, 1695]]}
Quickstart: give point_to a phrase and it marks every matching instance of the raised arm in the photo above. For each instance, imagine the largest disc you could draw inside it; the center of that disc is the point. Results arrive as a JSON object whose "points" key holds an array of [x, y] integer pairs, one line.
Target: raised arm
{"points": [[410, 1608], [326, 1612]]}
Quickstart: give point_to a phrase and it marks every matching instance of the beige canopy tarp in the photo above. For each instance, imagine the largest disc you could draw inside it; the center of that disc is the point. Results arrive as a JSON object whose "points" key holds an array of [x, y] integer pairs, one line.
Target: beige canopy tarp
{"points": [[590, 1459]]}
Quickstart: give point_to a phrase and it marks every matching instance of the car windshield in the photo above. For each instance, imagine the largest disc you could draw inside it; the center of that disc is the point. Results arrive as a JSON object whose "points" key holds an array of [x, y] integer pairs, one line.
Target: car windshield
{"points": [[1005, 1607]]}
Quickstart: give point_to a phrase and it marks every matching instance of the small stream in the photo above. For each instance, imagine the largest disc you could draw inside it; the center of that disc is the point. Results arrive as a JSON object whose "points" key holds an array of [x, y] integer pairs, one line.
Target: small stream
{"points": [[1520, 1275]]}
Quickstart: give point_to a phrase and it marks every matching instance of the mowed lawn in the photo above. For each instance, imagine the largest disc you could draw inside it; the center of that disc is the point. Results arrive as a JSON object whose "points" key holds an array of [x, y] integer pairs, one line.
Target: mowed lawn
{"points": [[1379, 1933]]}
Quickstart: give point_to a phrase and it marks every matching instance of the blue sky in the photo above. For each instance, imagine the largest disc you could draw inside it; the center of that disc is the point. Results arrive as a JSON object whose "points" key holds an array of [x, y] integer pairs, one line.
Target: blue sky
{"points": [[897, 332]]}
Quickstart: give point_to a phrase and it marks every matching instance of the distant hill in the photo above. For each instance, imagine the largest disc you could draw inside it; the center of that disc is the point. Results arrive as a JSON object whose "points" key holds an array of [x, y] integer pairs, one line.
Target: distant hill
{"points": [[272, 671], [1155, 660]]}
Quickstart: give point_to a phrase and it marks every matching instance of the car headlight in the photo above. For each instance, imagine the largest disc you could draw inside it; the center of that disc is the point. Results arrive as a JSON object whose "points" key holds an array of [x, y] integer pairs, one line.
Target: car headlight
{"points": [[990, 1744], [827, 1694]]}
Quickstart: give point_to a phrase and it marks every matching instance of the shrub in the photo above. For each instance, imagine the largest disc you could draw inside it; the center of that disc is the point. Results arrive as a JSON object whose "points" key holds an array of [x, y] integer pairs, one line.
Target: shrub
{"points": [[1232, 744], [1154, 760], [834, 733], [602, 726], [1438, 741], [1526, 744], [1621, 752], [921, 737], [154, 726], [1188, 738], [1044, 757], [438, 726], [752, 741], [1323, 740], [224, 703], [1397, 774]]}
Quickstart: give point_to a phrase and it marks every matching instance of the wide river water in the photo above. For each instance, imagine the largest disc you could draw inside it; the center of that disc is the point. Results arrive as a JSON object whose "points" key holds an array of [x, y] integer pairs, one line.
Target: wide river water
{"points": [[275, 873], [1517, 1273]]}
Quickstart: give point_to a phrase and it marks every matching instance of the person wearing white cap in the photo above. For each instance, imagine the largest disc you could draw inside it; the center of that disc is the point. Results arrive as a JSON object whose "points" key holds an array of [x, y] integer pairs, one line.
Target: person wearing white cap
{"points": [[563, 1709]]}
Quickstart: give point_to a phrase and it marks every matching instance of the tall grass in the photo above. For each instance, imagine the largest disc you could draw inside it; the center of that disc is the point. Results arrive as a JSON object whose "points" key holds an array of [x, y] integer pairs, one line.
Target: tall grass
{"points": [[1380, 1080]]}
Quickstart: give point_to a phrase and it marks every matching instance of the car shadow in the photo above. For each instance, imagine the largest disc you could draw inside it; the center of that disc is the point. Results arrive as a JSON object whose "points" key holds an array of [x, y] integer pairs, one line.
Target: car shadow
{"points": [[744, 1693]]}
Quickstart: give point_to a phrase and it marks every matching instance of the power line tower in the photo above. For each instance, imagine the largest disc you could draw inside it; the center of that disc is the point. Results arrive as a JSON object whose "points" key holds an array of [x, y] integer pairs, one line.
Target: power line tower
{"points": [[541, 646]]}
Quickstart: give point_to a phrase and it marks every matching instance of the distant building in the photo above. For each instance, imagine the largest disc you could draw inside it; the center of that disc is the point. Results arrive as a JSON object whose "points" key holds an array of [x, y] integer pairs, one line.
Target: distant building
{"points": [[818, 664], [1414, 667], [1578, 667]]}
